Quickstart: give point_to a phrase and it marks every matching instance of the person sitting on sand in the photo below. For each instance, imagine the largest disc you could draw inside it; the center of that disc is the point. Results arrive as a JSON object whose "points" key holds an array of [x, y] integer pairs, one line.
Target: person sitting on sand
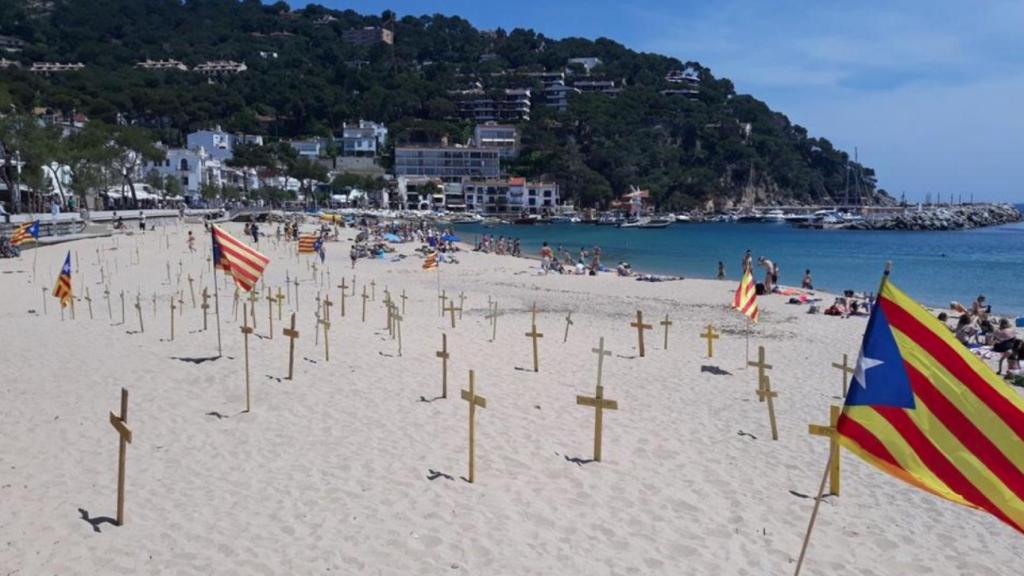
{"points": [[807, 283], [1002, 339], [979, 308], [966, 330], [1013, 359], [623, 269], [545, 257]]}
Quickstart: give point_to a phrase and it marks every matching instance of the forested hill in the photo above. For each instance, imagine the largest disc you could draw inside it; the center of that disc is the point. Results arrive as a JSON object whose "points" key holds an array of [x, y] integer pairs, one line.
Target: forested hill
{"points": [[302, 79]]}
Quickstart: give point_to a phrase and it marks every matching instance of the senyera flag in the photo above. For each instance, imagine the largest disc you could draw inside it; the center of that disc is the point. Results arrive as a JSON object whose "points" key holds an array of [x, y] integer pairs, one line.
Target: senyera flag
{"points": [[243, 263], [307, 243], [62, 289], [431, 261], [746, 297], [925, 409], [24, 233]]}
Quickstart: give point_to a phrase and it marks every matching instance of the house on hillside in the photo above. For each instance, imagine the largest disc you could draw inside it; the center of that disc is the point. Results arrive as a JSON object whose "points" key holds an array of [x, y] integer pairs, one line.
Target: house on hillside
{"points": [[218, 68], [587, 62], [361, 139], [368, 36], [508, 105], [47, 68], [447, 163], [503, 137], [148, 64]]}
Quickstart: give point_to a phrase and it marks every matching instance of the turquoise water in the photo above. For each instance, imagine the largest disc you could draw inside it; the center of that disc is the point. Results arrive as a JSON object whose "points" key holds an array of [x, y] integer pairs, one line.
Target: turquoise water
{"points": [[933, 267]]}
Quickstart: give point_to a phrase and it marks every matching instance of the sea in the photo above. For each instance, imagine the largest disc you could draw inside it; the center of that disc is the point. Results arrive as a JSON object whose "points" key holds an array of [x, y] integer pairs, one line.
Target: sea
{"points": [[935, 268]]}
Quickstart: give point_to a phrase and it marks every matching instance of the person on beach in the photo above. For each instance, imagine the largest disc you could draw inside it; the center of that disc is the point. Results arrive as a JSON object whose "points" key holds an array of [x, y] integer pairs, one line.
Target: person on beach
{"points": [[255, 233], [353, 255], [142, 221], [191, 242], [769, 273], [966, 330], [545, 257], [748, 262], [595, 261], [1002, 340], [807, 283], [979, 308], [721, 270]]}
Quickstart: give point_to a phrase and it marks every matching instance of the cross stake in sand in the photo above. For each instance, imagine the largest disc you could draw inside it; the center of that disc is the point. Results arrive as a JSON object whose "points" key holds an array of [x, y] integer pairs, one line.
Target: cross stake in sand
{"points": [[398, 329], [124, 433], [640, 327], [89, 300], [106, 296], [451, 309], [365, 297], [600, 404], [847, 370], [474, 401], [252, 306], [765, 393], [601, 353], [234, 304], [343, 295], [138, 306], [205, 306], [154, 304], [327, 346], [373, 289], [280, 299], [710, 335], [292, 334], [462, 299], [666, 323], [493, 317], [761, 366], [833, 445], [533, 313], [327, 307], [172, 318], [296, 282], [441, 300], [246, 330], [443, 355], [192, 290], [404, 298], [568, 322], [122, 307], [44, 301], [270, 314], [534, 335], [316, 326], [181, 303]]}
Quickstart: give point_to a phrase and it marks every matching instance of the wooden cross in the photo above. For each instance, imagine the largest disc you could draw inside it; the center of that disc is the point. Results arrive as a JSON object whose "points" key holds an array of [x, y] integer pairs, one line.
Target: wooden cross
{"points": [[373, 288], [168, 271], [533, 313], [327, 348], [138, 306], [601, 353], [252, 306], [234, 306], [640, 327], [122, 306], [191, 290], [474, 401], [493, 317], [292, 334], [172, 318], [296, 282], [403, 297], [270, 314], [765, 393], [600, 404], [710, 335], [462, 299], [534, 334], [343, 288], [280, 300], [666, 323], [847, 370], [398, 329], [316, 326], [106, 296], [833, 446], [205, 306], [761, 367], [442, 299], [246, 330], [181, 303], [443, 355], [154, 304], [451, 309], [89, 300], [288, 287], [124, 433], [327, 307], [365, 297], [568, 322]]}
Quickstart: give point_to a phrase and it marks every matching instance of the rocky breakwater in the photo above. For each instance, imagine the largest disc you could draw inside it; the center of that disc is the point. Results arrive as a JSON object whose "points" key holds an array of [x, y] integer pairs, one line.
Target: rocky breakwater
{"points": [[946, 218]]}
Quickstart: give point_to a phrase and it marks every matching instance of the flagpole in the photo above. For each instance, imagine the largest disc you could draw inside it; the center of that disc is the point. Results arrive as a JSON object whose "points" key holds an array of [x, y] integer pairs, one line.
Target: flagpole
{"points": [[828, 463], [216, 293]]}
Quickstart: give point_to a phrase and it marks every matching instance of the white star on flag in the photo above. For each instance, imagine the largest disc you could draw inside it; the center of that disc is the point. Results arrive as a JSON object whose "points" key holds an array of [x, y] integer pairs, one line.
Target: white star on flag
{"points": [[863, 365]]}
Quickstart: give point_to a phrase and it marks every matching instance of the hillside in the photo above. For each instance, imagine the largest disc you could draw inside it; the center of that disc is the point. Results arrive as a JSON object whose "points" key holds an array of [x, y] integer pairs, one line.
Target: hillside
{"points": [[302, 79]]}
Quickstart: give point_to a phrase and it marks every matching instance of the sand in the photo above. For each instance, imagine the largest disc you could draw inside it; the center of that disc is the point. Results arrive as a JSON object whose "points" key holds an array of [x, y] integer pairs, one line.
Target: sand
{"points": [[356, 466]]}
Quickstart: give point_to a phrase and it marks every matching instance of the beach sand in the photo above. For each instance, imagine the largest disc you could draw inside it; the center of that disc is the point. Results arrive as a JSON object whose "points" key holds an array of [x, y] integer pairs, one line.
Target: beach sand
{"points": [[355, 466]]}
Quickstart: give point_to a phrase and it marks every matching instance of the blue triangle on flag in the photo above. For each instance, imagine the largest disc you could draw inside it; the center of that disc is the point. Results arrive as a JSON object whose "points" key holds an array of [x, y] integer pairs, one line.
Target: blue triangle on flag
{"points": [[880, 378]]}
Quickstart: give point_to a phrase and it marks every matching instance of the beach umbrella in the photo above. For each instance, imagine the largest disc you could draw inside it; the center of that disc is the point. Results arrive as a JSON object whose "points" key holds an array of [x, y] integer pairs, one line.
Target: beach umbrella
{"points": [[361, 237], [449, 238], [392, 237]]}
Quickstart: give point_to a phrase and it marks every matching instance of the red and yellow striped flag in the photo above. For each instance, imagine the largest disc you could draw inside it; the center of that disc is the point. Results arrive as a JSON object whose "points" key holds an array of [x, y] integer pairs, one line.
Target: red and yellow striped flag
{"points": [[25, 233], [307, 243], [925, 409], [746, 297], [243, 263], [62, 289], [431, 261]]}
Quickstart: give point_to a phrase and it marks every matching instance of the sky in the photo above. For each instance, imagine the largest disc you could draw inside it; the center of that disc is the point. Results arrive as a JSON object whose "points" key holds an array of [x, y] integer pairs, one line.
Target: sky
{"points": [[930, 92]]}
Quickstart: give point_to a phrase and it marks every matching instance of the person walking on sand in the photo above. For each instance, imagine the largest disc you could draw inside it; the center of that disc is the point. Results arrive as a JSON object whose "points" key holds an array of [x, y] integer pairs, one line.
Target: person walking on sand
{"points": [[721, 270], [769, 273], [353, 256], [595, 262], [545, 258], [191, 242], [807, 283]]}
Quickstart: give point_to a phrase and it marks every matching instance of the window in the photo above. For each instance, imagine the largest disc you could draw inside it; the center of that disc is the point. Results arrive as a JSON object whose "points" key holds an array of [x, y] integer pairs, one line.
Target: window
{"points": [[183, 166], [184, 181]]}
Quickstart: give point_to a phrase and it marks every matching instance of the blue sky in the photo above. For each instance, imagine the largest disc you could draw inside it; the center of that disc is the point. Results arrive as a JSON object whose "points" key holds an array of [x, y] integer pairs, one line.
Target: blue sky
{"points": [[931, 92]]}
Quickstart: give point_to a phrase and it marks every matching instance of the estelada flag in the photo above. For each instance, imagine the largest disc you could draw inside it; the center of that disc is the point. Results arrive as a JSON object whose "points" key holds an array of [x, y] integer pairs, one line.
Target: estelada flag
{"points": [[25, 232], [62, 289], [243, 263], [431, 261], [926, 410], [746, 297], [307, 244]]}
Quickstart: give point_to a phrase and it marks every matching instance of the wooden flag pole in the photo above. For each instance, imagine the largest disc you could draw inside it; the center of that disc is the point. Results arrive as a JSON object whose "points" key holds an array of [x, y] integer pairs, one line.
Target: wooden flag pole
{"points": [[666, 323], [474, 401], [814, 516], [534, 335], [124, 433], [846, 369], [443, 355], [246, 330], [568, 322], [640, 327], [710, 336], [292, 334]]}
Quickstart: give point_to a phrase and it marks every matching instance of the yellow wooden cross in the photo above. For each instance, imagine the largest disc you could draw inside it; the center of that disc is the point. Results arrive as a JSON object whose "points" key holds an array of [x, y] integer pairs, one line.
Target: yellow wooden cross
{"points": [[181, 303], [365, 298], [327, 307], [327, 347], [89, 300], [666, 323], [343, 287], [398, 329], [640, 327], [296, 283], [122, 306], [106, 296], [252, 305], [443, 355], [205, 306], [124, 433], [441, 300], [138, 307], [403, 297], [534, 335], [847, 370], [765, 393], [601, 353], [192, 290], [568, 322], [493, 317], [710, 335], [462, 299], [292, 334], [373, 288], [833, 446], [761, 366], [270, 314], [451, 309], [600, 404], [172, 318], [533, 313], [246, 330], [280, 300], [474, 401]]}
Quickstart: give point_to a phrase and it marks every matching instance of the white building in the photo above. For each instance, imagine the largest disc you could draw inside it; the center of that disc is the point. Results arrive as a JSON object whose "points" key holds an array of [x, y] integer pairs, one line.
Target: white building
{"points": [[148, 64], [364, 138], [503, 137], [511, 196], [47, 68], [217, 143], [221, 68], [588, 62]]}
